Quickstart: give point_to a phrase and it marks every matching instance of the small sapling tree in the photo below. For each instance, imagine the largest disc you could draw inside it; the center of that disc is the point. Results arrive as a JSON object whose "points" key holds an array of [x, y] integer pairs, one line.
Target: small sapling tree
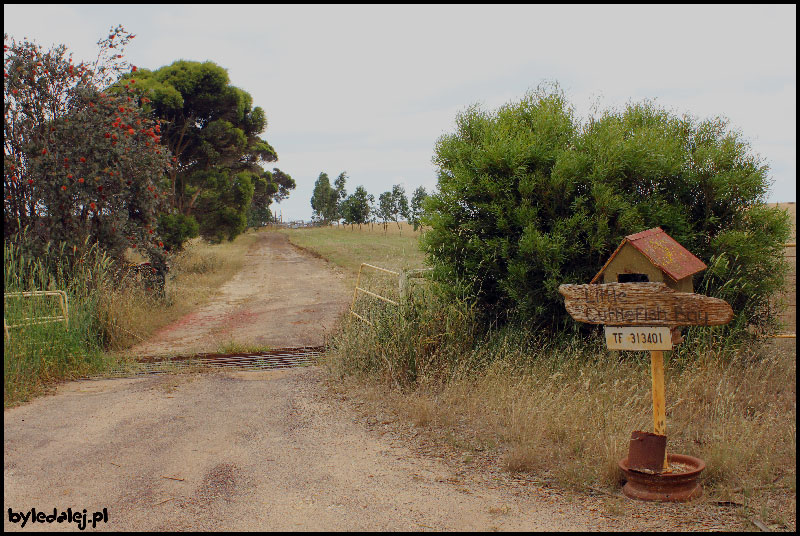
{"points": [[416, 209]]}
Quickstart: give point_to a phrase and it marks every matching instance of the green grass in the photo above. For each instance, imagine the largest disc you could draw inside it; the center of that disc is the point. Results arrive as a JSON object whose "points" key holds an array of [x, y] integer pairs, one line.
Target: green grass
{"points": [[36, 356], [348, 248]]}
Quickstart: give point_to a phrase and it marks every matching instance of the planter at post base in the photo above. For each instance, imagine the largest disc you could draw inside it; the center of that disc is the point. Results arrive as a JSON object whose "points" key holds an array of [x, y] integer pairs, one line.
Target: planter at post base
{"points": [[671, 487]]}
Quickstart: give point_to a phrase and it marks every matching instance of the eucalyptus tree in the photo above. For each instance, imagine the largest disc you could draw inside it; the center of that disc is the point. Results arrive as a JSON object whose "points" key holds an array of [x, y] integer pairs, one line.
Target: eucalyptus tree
{"points": [[214, 133]]}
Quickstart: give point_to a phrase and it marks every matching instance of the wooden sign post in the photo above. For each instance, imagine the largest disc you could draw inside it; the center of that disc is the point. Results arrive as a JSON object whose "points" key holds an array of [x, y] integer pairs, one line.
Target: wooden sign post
{"points": [[659, 395], [639, 316]]}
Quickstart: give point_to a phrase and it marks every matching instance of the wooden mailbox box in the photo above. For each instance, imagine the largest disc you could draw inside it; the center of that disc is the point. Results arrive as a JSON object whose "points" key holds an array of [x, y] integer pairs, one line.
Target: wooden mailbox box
{"points": [[651, 256]]}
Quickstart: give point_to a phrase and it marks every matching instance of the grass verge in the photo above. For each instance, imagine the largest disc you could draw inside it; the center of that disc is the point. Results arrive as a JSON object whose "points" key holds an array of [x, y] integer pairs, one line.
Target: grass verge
{"points": [[132, 314]]}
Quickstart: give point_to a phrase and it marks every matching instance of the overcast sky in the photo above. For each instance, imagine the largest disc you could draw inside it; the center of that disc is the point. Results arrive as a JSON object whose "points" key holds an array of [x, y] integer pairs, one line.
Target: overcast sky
{"points": [[369, 89]]}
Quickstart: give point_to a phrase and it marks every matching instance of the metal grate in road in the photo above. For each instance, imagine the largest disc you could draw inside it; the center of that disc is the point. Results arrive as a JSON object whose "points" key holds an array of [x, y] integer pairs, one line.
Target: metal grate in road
{"points": [[279, 358]]}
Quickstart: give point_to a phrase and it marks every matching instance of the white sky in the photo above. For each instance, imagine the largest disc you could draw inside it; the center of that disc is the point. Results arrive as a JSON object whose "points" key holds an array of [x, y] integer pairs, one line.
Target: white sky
{"points": [[369, 89]]}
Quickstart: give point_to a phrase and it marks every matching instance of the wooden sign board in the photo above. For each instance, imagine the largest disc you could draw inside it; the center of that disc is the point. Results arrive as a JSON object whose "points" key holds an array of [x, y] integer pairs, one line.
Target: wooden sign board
{"points": [[638, 338], [643, 304]]}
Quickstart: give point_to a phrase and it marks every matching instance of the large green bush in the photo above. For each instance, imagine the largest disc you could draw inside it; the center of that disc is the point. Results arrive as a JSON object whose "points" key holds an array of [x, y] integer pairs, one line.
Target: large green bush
{"points": [[529, 198]]}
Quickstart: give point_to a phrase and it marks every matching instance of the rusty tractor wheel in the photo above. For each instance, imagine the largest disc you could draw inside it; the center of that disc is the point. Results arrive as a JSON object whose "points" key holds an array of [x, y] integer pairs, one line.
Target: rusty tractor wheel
{"points": [[678, 486]]}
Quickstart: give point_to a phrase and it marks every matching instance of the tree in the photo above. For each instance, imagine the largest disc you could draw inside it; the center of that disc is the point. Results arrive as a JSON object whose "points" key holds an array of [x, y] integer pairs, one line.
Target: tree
{"points": [[320, 198], [416, 210], [80, 165], [356, 208], [326, 201], [529, 199], [399, 204], [213, 131], [223, 203], [268, 187], [386, 207], [339, 183]]}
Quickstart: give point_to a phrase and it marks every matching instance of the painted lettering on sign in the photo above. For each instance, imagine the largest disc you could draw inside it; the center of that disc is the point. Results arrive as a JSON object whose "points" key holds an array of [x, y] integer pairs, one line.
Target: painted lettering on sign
{"points": [[638, 338], [675, 315], [643, 304]]}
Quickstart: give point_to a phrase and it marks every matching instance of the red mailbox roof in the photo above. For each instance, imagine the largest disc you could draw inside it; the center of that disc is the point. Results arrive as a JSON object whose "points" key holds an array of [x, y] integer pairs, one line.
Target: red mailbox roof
{"points": [[663, 251]]}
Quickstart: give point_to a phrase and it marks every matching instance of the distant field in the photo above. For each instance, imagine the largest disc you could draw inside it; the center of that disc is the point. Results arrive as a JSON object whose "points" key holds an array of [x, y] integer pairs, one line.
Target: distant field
{"points": [[395, 248]]}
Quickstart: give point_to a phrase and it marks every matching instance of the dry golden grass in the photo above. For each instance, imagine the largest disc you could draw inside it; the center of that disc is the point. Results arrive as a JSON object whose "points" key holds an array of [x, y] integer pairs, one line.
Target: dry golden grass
{"points": [[570, 423], [402, 228]]}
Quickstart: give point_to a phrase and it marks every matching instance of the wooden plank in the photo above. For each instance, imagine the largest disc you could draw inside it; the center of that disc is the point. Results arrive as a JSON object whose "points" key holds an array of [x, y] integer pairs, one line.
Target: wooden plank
{"points": [[642, 304], [659, 396], [638, 338]]}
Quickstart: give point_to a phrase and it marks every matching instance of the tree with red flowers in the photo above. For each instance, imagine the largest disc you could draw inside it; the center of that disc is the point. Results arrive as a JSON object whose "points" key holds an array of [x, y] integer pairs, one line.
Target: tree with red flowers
{"points": [[79, 163]]}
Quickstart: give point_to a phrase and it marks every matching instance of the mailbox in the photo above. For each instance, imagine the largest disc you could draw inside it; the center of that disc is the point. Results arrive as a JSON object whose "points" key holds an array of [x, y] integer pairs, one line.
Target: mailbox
{"points": [[651, 256]]}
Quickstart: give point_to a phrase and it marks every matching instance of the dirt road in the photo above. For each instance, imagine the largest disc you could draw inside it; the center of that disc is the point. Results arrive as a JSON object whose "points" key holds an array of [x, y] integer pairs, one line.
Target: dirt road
{"points": [[268, 450], [237, 451], [282, 297]]}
